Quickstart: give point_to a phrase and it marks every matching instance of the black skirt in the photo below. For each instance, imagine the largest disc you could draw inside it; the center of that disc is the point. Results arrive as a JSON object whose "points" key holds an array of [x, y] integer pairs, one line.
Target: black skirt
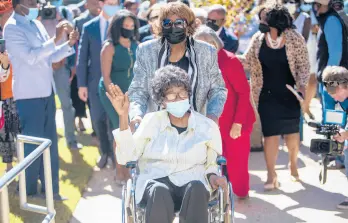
{"points": [[279, 113]]}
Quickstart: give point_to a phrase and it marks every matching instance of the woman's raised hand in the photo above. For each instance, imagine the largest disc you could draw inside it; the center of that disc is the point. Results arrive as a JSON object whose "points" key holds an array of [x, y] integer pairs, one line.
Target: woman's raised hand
{"points": [[118, 100]]}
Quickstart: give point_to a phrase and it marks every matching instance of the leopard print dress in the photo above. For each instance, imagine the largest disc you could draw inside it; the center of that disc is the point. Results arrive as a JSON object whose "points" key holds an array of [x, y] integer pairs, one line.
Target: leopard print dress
{"points": [[9, 131]]}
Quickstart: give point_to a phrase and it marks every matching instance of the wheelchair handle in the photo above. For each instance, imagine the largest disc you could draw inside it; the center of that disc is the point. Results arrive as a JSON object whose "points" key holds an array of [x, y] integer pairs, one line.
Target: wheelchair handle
{"points": [[131, 164], [220, 160]]}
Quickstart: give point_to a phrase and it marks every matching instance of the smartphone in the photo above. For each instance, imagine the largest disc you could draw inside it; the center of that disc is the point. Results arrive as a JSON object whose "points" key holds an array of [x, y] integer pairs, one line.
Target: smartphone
{"points": [[2, 45], [75, 25]]}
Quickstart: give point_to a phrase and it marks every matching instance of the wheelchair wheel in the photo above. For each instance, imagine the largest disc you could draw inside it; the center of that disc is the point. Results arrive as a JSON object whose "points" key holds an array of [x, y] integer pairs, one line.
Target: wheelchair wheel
{"points": [[124, 214], [231, 200], [128, 203]]}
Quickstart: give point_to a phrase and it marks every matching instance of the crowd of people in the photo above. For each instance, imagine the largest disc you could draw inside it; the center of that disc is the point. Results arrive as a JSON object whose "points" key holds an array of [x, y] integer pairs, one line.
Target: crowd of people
{"points": [[171, 86]]}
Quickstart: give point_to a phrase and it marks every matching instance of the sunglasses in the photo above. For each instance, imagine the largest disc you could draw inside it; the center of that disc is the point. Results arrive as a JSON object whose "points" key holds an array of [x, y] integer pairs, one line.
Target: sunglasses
{"points": [[290, 1], [179, 23], [217, 22], [334, 83]]}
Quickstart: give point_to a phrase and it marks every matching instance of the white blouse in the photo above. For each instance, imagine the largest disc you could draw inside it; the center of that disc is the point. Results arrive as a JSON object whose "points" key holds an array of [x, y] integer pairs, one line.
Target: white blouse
{"points": [[162, 152]]}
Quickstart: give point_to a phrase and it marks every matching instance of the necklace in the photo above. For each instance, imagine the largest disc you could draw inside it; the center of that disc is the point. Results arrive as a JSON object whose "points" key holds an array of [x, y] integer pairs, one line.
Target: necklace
{"points": [[176, 60], [274, 44]]}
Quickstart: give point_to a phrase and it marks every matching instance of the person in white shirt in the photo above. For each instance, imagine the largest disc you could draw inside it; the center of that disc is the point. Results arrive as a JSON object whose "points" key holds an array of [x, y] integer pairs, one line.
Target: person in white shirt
{"points": [[32, 52], [176, 149]]}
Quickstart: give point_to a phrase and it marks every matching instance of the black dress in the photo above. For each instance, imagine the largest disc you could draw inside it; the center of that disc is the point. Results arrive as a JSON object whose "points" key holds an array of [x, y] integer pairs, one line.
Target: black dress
{"points": [[279, 109]]}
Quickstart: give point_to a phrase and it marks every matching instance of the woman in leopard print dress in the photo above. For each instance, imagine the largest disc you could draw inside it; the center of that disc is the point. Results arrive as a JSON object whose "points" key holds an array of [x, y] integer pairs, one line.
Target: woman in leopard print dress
{"points": [[9, 121], [277, 56]]}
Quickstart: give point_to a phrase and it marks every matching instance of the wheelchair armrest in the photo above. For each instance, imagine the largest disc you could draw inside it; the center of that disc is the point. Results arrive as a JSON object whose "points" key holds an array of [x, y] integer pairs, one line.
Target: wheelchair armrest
{"points": [[221, 160], [131, 164]]}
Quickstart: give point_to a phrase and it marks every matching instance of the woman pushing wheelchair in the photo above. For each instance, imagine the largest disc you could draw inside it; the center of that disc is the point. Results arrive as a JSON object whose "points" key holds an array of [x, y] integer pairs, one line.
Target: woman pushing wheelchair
{"points": [[176, 149]]}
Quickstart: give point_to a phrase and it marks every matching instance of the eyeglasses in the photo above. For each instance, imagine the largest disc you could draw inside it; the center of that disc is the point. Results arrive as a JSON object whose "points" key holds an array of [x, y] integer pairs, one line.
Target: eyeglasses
{"points": [[179, 23], [173, 96]]}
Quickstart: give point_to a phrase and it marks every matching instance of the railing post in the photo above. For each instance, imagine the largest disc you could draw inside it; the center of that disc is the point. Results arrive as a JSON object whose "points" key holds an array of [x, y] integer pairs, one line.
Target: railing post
{"points": [[48, 181], [19, 170], [22, 181], [4, 206]]}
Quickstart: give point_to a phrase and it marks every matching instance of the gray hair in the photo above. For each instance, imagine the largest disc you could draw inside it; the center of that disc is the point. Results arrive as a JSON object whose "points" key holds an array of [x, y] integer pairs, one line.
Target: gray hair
{"points": [[217, 8], [199, 12], [208, 35], [167, 77]]}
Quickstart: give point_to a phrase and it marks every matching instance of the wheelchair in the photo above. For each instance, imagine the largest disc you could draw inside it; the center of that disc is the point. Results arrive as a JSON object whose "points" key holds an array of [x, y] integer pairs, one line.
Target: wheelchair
{"points": [[220, 207]]}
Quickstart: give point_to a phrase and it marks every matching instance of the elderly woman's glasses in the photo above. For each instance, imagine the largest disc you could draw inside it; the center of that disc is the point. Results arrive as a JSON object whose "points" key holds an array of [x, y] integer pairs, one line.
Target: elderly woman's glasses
{"points": [[179, 23], [173, 96]]}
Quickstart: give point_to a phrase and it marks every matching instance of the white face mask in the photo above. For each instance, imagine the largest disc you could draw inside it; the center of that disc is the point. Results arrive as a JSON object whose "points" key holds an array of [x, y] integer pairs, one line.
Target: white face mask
{"points": [[178, 108], [291, 7]]}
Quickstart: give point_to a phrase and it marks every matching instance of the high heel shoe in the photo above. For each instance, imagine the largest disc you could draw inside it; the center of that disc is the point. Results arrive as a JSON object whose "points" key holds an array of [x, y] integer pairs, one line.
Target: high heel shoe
{"points": [[272, 186], [295, 178]]}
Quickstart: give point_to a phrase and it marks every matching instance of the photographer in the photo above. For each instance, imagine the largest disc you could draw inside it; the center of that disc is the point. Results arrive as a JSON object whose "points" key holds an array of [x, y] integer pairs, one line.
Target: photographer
{"points": [[335, 81], [50, 17], [32, 53]]}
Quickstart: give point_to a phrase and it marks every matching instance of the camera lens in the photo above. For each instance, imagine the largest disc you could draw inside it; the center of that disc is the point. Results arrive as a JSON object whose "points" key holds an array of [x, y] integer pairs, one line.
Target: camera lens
{"points": [[324, 147], [48, 13]]}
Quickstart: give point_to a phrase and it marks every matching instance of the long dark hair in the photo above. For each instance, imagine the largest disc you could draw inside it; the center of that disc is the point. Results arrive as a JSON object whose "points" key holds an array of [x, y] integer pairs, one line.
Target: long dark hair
{"points": [[114, 32], [279, 17]]}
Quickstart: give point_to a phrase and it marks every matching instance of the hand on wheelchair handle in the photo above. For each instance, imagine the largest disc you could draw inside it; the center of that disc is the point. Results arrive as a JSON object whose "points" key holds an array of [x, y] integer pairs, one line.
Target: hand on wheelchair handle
{"points": [[134, 124], [216, 182]]}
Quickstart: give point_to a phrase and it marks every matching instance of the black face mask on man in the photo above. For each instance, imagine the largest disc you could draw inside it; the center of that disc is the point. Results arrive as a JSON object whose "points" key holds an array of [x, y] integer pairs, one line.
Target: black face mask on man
{"points": [[211, 24], [264, 28], [127, 33], [174, 35]]}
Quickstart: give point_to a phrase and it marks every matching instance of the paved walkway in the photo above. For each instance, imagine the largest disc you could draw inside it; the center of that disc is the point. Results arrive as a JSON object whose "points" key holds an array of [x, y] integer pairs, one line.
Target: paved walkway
{"points": [[308, 201]]}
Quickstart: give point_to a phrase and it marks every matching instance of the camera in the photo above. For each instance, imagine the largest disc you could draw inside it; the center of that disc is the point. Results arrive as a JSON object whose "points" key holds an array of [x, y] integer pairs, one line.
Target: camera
{"points": [[333, 121], [48, 11], [326, 146]]}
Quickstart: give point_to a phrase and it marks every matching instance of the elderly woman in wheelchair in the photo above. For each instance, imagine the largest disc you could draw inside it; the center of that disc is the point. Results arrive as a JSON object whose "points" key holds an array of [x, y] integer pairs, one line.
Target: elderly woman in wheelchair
{"points": [[176, 150]]}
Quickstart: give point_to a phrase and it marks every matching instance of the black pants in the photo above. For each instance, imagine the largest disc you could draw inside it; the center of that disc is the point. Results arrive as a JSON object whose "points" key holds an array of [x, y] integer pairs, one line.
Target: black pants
{"points": [[162, 198], [78, 104]]}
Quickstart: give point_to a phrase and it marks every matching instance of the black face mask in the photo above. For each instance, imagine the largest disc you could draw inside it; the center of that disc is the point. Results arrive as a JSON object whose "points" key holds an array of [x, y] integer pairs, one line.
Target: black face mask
{"points": [[264, 28], [174, 35], [127, 33], [213, 26]]}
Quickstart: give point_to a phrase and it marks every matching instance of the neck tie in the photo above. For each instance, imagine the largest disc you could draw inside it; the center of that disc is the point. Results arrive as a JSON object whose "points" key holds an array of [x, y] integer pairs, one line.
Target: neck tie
{"points": [[106, 30]]}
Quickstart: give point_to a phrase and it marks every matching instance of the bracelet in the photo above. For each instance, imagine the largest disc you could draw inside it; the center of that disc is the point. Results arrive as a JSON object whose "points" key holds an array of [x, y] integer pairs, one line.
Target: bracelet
{"points": [[8, 67]]}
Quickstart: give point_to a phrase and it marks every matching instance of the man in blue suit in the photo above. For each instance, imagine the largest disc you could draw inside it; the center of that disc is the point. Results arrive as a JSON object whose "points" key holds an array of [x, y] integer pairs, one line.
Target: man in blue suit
{"points": [[32, 53], [216, 20], [88, 72], [93, 10]]}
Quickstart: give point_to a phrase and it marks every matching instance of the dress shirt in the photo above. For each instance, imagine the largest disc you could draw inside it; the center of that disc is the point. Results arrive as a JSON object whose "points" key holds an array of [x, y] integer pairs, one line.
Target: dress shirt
{"points": [[219, 31], [162, 152], [103, 27], [32, 53]]}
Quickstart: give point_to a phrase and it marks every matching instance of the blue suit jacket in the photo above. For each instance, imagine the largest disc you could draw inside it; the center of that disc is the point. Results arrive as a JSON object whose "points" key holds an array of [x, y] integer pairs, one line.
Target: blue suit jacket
{"points": [[230, 41], [88, 68]]}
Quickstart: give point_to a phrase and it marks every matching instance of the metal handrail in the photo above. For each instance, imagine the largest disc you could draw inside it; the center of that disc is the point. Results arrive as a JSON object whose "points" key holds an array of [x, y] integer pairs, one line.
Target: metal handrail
{"points": [[19, 170]]}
